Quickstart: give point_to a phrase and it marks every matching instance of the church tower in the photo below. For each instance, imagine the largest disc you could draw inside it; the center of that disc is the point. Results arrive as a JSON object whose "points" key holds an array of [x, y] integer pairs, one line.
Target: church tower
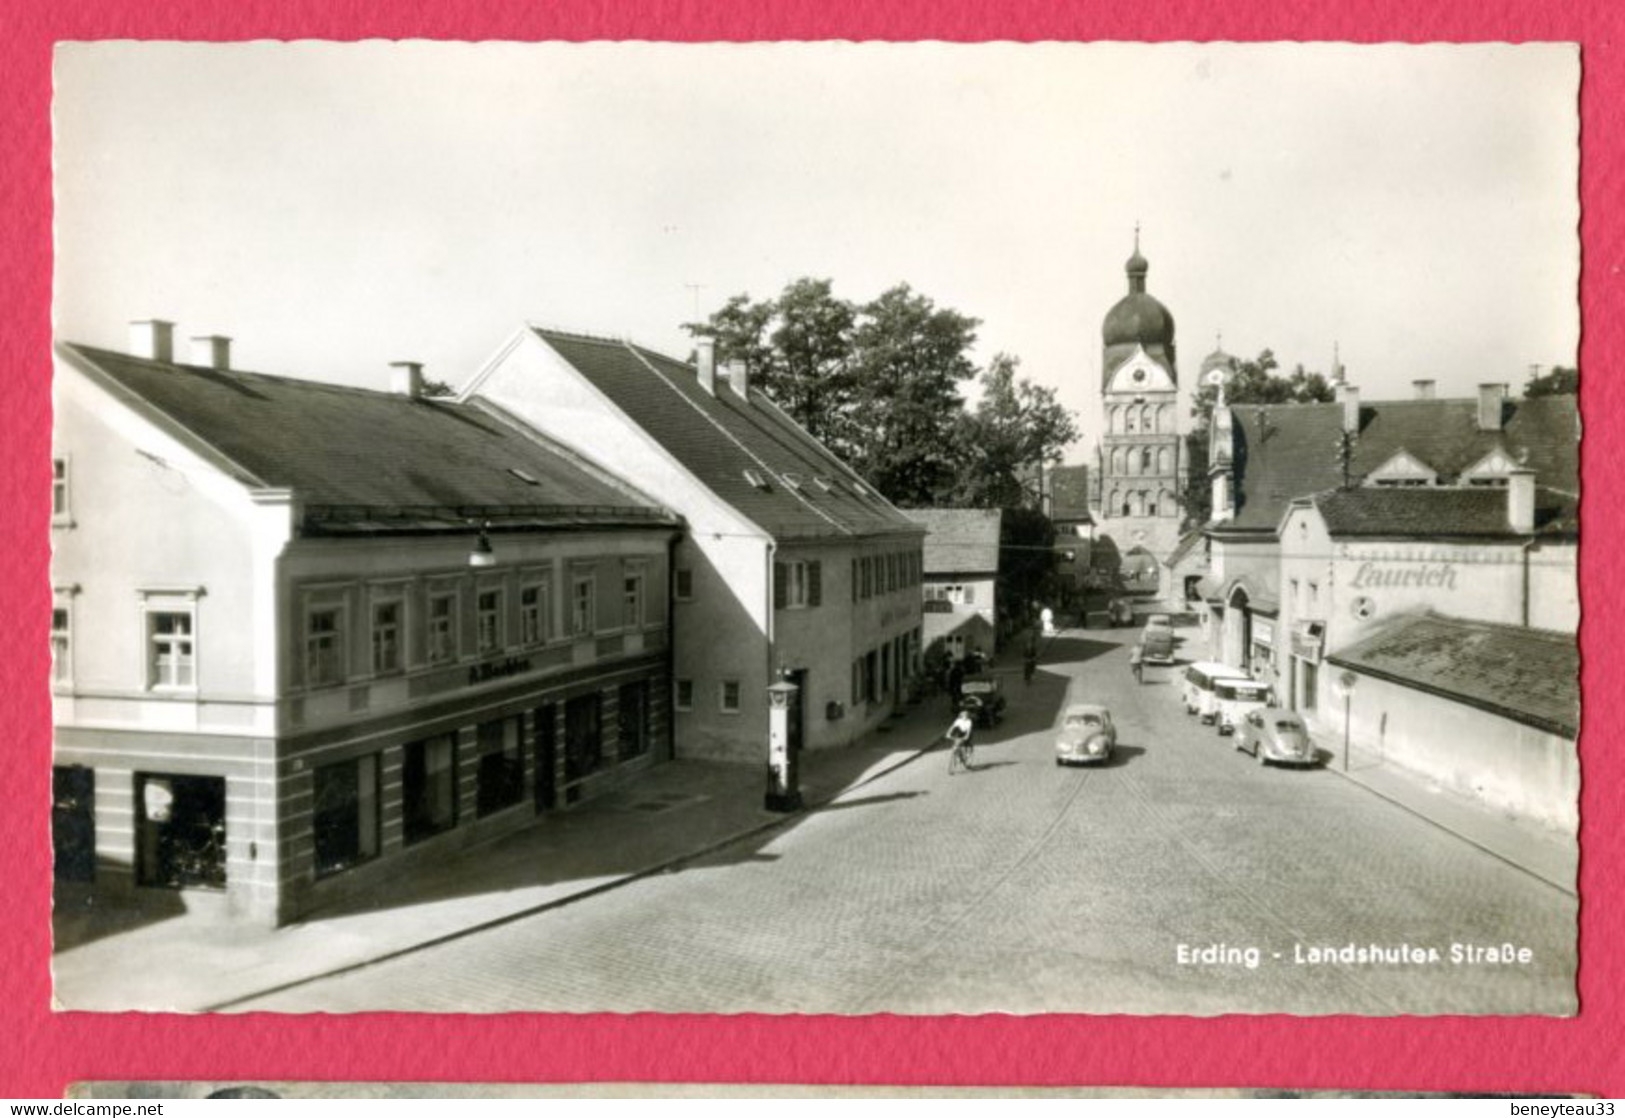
{"points": [[1142, 454]]}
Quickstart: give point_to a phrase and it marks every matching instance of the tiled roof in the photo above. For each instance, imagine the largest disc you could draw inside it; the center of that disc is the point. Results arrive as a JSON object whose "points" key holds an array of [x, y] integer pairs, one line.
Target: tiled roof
{"points": [[1414, 512], [1069, 493], [806, 493], [1286, 451], [959, 540], [379, 459], [1529, 675]]}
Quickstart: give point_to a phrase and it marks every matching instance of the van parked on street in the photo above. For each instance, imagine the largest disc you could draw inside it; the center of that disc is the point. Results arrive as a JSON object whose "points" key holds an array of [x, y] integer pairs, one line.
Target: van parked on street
{"points": [[1234, 698], [1197, 689]]}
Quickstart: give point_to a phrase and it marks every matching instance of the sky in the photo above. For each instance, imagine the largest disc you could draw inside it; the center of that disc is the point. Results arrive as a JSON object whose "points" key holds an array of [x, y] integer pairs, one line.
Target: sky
{"points": [[336, 207]]}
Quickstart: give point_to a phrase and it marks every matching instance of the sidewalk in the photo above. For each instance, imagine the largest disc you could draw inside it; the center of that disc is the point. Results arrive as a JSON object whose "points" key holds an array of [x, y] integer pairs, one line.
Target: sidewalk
{"points": [[675, 813], [1539, 851]]}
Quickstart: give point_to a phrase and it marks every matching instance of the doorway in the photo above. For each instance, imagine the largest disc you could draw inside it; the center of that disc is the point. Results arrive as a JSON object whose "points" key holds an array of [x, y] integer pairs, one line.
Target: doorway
{"points": [[547, 752], [797, 728], [181, 831], [73, 822]]}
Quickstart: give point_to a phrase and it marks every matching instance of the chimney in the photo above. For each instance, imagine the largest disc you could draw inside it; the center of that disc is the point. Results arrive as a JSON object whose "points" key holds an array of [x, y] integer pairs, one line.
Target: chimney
{"points": [[212, 351], [739, 378], [406, 379], [1349, 396], [1521, 500], [1424, 389], [153, 338], [705, 361], [1490, 397]]}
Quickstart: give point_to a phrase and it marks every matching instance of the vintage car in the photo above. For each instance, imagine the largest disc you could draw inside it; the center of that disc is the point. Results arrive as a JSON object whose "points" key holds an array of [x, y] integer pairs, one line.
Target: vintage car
{"points": [[1120, 611], [984, 695], [1234, 698], [1159, 621], [1087, 735], [1157, 643], [1274, 734]]}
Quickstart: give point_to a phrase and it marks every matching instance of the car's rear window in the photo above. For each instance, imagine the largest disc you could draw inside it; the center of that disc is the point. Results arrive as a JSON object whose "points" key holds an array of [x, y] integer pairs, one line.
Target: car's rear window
{"points": [[1288, 724], [1084, 720]]}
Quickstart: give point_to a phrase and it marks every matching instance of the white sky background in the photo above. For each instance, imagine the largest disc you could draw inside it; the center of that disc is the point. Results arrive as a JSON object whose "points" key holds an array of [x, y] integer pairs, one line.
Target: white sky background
{"points": [[337, 207]]}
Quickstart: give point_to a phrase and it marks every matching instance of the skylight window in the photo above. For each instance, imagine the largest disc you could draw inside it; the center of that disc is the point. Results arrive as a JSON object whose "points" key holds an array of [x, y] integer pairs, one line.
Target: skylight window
{"points": [[791, 481], [756, 479], [528, 479], [823, 482]]}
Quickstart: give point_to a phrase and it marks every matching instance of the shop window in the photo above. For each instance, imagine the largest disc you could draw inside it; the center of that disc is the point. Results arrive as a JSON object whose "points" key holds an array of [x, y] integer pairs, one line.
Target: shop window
{"points": [[442, 631], [488, 621], [583, 736], [345, 814], [501, 767], [583, 605], [386, 637], [180, 831], [633, 717], [429, 787], [73, 822], [533, 626], [171, 650]]}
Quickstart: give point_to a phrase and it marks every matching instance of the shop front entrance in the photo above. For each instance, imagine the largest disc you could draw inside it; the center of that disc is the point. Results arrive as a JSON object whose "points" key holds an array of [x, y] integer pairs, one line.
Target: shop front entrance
{"points": [[73, 822], [180, 831]]}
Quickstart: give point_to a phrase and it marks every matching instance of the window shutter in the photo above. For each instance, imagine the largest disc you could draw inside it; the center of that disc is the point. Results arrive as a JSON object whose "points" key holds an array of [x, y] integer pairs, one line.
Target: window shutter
{"points": [[778, 586], [854, 580], [815, 583]]}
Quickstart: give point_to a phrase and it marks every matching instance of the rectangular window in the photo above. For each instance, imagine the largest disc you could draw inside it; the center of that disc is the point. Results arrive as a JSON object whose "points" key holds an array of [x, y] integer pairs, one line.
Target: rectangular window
{"points": [[1297, 603], [583, 736], [61, 511], [683, 696], [61, 645], [345, 814], [386, 637], [728, 696], [502, 765], [488, 621], [792, 588], [442, 628], [633, 717], [583, 608], [324, 646], [429, 787], [171, 660], [1314, 597], [683, 585], [533, 626], [632, 602]]}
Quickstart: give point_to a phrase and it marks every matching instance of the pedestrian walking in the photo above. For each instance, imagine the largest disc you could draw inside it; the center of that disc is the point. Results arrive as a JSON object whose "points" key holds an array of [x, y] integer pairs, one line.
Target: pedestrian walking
{"points": [[1029, 658], [1136, 663]]}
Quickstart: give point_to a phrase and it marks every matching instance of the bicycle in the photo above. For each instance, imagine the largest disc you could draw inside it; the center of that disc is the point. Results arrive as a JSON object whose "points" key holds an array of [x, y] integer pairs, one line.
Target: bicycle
{"points": [[961, 754]]}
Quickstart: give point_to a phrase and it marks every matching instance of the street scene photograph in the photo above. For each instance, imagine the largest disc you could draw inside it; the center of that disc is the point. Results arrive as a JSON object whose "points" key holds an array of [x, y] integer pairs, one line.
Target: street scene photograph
{"points": [[736, 528]]}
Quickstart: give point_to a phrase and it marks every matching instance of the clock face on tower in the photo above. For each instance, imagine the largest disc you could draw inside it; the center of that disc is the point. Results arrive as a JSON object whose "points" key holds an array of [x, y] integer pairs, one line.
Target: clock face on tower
{"points": [[1215, 377], [1141, 374]]}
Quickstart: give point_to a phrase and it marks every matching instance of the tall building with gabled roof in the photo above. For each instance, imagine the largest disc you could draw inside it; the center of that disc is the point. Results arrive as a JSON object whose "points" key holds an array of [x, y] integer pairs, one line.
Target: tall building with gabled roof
{"points": [[793, 567]]}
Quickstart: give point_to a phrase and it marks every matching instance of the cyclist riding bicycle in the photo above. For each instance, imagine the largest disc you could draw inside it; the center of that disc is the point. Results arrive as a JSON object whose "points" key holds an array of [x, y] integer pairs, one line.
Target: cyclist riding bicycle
{"points": [[959, 737]]}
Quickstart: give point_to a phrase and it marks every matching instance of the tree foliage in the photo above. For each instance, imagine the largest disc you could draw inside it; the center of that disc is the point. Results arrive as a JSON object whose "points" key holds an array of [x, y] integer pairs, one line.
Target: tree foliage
{"points": [[1561, 381], [1016, 428], [1251, 382], [876, 382]]}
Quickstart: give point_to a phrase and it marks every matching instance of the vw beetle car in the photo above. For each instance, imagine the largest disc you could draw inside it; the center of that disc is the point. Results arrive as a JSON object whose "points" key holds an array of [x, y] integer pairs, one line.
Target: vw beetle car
{"points": [[1274, 734], [1087, 735]]}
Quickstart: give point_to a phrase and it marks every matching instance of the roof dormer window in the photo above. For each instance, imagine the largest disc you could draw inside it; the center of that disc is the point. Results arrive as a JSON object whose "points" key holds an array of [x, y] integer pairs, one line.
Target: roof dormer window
{"points": [[528, 479]]}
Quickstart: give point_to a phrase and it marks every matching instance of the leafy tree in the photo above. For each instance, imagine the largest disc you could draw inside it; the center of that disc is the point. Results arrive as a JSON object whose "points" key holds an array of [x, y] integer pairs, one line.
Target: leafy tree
{"points": [[1252, 382], [1561, 381], [908, 361], [1026, 576], [438, 388], [1016, 428]]}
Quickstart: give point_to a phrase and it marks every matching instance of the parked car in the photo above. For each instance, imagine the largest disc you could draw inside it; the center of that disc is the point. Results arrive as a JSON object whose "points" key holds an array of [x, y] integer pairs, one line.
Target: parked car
{"points": [[1159, 621], [1087, 735], [1274, 734], [984, 693], [1157, 644], [1121, 611], [1197, 688], [1234, 698]]}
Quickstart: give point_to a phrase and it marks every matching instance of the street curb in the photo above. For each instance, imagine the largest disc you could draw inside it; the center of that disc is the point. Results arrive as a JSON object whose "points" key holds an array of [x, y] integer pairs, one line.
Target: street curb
{"points": [[570, 898], [1570, 890]]}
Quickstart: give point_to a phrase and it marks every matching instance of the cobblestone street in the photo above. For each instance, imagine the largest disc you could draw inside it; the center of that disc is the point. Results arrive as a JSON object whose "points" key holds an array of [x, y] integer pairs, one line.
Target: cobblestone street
{"points": [[1023, 887]]}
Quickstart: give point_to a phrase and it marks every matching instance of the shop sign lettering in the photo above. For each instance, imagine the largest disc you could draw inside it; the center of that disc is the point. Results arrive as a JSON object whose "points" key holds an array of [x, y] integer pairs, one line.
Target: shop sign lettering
{"points": [[1388, 576], [498, 669]]}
